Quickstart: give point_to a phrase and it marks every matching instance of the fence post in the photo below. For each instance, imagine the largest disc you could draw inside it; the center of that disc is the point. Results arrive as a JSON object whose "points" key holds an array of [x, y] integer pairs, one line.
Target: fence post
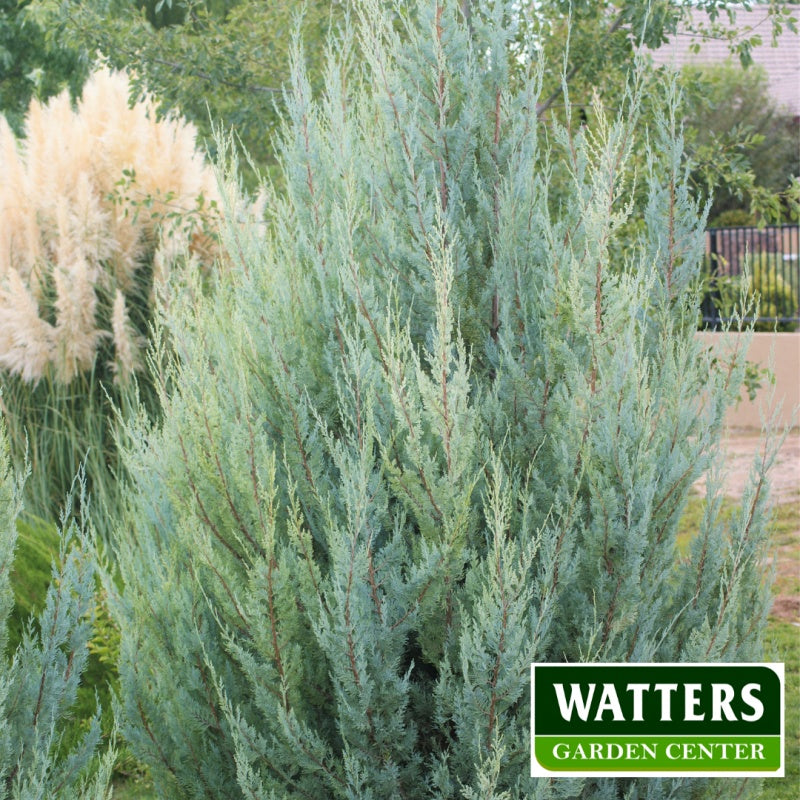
{"points": [[714, 295]]}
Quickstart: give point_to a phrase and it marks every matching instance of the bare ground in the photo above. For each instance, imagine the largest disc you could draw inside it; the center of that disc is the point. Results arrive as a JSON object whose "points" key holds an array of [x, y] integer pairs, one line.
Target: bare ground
{"points": [[741, 447]]}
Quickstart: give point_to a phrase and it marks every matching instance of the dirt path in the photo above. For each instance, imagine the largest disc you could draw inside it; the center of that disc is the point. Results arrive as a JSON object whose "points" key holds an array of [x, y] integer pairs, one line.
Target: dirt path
{"points": [[741, 447]]}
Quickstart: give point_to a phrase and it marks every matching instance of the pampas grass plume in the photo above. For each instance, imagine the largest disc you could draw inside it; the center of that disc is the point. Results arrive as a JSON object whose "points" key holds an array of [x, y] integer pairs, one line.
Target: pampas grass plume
{"points": [[96, 203]]}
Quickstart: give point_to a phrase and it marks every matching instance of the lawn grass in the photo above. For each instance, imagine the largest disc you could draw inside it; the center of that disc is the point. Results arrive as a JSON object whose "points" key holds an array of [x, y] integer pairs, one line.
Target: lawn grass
{"points": [[786, 541], [783, 645]]}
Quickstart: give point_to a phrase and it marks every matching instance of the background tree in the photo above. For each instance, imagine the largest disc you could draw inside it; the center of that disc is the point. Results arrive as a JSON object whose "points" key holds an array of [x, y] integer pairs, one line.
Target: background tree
{"points": [[731, 119], [230, 57], [221, 60], [32, 63], [601, 40]]}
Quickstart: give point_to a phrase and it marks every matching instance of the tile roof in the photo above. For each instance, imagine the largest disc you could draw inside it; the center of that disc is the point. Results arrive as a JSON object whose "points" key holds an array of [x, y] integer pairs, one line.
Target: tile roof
{"points": [[782, 63]]}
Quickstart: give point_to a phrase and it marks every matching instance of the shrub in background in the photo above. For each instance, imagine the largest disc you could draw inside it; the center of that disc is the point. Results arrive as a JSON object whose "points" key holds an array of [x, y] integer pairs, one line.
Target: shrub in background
{"points": [[732, 218], [37, 546], [774, 293], [40, 677], [440, 422], [762, 290], [97, 203]]}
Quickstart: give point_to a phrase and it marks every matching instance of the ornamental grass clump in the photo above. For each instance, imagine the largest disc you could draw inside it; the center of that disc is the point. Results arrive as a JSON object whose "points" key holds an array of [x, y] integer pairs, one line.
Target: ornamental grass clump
{"points": [[97, 204], [439, 421]]}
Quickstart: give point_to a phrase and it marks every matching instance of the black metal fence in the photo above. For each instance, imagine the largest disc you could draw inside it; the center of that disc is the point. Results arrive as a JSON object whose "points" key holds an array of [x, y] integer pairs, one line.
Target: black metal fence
{"points": [[773, 256]]}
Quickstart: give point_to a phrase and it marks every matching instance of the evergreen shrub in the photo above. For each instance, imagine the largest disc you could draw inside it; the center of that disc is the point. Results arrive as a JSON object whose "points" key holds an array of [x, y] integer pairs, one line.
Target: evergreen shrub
{"points": [[439, 422], [38, 550], [44, 751], [97, 204]]}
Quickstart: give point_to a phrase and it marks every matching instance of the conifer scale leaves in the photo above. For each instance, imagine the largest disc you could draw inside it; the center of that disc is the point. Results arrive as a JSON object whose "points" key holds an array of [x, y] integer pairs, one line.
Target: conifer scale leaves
{"points": [[439, 423]]}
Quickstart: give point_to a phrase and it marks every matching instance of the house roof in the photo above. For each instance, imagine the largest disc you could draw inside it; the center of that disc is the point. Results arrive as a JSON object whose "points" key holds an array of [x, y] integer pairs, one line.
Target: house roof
{"points": [[782, 62]]}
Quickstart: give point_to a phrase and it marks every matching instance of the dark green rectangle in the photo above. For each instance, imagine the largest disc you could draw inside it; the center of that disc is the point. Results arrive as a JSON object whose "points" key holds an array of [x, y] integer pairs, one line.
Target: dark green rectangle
{"points": [[679, 754], [656, 717]]}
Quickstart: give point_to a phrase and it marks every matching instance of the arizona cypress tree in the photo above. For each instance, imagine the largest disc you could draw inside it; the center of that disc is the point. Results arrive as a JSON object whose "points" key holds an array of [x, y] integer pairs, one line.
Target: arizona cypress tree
{"points": [[440, 422]]}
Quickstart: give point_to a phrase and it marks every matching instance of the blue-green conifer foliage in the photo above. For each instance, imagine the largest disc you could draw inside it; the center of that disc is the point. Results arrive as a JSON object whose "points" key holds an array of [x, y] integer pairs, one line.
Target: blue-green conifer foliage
{"points": [[439, 422], [39, 681]]}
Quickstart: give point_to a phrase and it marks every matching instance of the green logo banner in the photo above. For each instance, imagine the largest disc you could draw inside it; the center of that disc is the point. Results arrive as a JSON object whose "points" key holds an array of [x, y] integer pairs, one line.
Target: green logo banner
{"points": [[656, 720]]}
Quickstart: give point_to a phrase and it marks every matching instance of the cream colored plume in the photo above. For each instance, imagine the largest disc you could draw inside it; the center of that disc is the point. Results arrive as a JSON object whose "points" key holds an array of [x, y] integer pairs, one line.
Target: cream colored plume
{"points": [[126, 341], [94, 201]]}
